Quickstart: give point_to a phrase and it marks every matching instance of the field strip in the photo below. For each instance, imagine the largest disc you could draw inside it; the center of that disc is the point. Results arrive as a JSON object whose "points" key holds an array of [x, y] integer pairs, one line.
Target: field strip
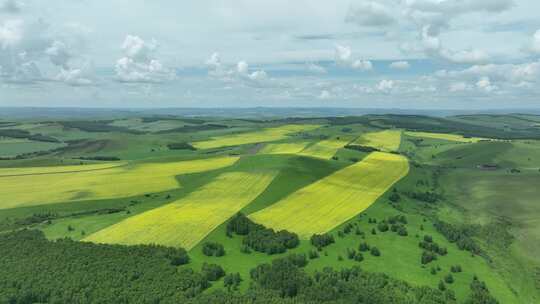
{"points": [[264, 135], [57, 169], [324, 149], [39, 189], [284, 148], [327, 203], [444, 136], [387, 141], [187, 221]]}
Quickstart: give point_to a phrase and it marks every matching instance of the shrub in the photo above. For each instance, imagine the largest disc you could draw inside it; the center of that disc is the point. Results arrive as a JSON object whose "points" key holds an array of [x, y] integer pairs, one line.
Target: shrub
{"points": [[363, 247], [322, 240], [213, 249], [212, 272]]}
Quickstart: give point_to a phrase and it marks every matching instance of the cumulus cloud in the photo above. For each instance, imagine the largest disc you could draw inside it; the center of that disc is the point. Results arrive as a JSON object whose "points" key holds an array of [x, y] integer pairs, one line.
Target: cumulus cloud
{"points": [[370, 14], [240, 72], [535, 43], [74, 76], [385, 85], [11, 33], [343, 58], [139, 64], [485, 85], [58, 53], [464, 56], [449, 7], [325, 94], [458, 87], [315, 68], [400, 65], [25, 48]]}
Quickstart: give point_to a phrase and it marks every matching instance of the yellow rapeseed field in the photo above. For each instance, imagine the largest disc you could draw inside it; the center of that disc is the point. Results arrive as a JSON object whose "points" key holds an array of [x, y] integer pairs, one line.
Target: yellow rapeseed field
{"points": [[58, 169], [444, 136], [284, 148], [187, 221], [265, 135], [36, 186], [324, 149], [388, 140], [327, 203]]}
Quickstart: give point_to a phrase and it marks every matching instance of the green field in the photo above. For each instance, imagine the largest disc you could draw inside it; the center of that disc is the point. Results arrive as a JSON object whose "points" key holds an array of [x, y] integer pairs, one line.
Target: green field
{"points": [[265, 135], [187, 221], [178, 181], [323, 205], [64, 184], [388, 140]]}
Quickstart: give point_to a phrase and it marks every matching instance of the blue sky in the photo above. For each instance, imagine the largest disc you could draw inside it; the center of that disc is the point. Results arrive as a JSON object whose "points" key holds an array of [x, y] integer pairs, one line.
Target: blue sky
{"points": [[451, 54]]}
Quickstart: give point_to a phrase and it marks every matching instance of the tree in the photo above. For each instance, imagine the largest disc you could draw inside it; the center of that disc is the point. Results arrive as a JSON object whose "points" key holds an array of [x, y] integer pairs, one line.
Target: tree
{"points": [[382, 226], [363, 247], [212, 272], [449, 278], [375, 251], [213, 249], [442, 287]]}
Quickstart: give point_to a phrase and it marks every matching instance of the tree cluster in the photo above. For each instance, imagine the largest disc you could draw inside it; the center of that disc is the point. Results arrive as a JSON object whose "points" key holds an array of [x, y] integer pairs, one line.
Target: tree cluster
{"points": [[322, 240], [462, 236], [260, 238], [213, 249]]}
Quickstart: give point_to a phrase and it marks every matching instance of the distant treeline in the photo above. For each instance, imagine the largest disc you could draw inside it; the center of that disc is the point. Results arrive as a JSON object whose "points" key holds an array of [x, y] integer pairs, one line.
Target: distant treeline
{"points": [[181, 146], [100, 158], [36, 270], [96, 126], [16, 133], [197, 128], [194, 121]]}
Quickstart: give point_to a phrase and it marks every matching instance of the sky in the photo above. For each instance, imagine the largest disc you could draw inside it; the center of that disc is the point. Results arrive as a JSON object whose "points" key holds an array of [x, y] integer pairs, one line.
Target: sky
{"points": [[410, 54]]}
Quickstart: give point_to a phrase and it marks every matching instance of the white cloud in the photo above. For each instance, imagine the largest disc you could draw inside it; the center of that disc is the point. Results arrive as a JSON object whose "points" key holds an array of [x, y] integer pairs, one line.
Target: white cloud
{"points": [[242, 68], [325, 94], [11, 33], [136, 48], [214, 62], [400, 65], [315, 68], [343, 58], [58, 53], [514, 73], [535, 44], [139, 64], [458, 87], [370, 13], [385, 85], [364, 65], [75, 77], [465, 56], [485, 85]]}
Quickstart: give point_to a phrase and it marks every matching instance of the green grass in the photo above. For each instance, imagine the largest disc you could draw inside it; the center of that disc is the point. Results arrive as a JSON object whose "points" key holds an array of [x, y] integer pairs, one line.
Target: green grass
{"points": [[14, 147]]}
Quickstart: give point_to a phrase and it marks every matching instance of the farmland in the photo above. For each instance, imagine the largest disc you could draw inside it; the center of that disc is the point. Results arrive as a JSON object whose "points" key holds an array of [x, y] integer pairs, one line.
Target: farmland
{"points": [[265, 135], [64, 184], [187, 221], [425, 194], [388, 140], [323, 205]]}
